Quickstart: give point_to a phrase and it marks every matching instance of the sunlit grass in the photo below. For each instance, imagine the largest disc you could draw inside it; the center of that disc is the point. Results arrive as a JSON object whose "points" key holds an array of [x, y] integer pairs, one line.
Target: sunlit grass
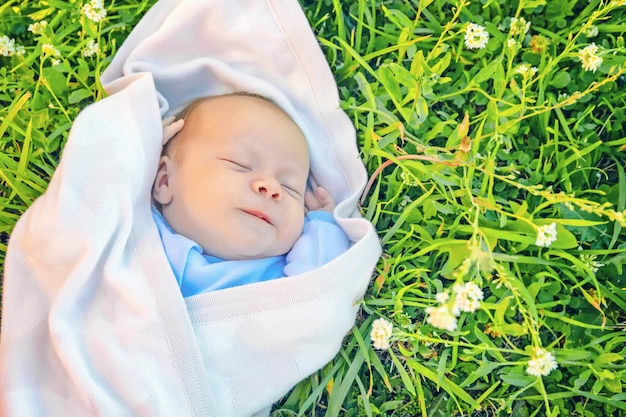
{"points": [[497, 187]]}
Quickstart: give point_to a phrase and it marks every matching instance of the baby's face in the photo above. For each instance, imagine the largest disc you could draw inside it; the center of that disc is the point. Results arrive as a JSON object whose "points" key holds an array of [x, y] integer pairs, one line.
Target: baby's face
{"points": [[236, 182]]}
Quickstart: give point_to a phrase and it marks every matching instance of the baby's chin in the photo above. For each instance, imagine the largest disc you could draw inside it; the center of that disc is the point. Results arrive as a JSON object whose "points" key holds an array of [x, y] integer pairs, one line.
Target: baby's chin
{"points": [[249, 246], [241, 254]]}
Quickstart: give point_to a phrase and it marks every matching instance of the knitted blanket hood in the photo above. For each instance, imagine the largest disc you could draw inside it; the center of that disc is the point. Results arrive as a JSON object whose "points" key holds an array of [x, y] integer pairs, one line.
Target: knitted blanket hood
{"points": [[93, 322]]}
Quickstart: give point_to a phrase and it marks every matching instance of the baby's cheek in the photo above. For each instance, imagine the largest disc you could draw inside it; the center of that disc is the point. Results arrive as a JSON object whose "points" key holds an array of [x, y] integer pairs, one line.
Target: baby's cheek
{"points": [[295, 229]]}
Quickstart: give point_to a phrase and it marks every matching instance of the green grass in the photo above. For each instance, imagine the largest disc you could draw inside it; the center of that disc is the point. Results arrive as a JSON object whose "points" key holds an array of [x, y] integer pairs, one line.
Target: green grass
{"points": [[471, 155]]}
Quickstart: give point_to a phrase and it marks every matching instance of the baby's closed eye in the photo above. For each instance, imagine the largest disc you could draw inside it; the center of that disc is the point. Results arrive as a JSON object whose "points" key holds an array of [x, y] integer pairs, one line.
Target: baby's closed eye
{"points": [[292, 190], [238, 165]]}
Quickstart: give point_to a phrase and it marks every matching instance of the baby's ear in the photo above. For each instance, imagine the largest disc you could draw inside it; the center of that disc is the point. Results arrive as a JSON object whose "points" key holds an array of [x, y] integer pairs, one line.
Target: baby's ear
{"points": [[161, 190]]}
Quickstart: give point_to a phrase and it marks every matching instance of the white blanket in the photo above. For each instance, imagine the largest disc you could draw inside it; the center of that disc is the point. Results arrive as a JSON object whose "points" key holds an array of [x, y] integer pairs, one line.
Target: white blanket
{"points": [[93, 321]]}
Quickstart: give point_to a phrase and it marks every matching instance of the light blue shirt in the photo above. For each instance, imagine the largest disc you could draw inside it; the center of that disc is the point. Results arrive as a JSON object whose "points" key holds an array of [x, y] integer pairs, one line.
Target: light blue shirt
{"points": [[321, 241]]}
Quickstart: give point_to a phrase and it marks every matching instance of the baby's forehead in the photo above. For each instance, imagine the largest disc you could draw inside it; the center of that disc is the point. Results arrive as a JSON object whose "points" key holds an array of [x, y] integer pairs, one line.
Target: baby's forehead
{"points": [[238, 102], [243, 114]]}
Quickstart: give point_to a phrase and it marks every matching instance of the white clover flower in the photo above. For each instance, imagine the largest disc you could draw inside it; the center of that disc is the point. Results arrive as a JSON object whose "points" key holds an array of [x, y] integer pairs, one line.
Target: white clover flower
{"points": [[476, 36], [542, 363], [7, 46], [92, 48], [592, 63], [591, 31], [522, 69], [591, 49], [590, 262], [467, 297], [441, 317], [48, 49], [519, 26], [589, 57], [37, 28], [442, 297], [381, 332], [594, 266], [546, 235], [511, 43], [525, 70], [405, 201], [474, 291], [94, 11]]}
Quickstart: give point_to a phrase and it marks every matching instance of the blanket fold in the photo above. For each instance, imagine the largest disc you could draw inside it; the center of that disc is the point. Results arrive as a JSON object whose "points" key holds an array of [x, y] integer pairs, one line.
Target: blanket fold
{"points": [[93, 320]]}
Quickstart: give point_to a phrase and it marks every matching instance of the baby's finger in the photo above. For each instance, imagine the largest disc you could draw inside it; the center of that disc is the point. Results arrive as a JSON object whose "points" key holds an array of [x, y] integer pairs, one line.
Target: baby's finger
{"points": [[325, 200], [170, 130], [167, 121], [323, 195], [311, 201]]}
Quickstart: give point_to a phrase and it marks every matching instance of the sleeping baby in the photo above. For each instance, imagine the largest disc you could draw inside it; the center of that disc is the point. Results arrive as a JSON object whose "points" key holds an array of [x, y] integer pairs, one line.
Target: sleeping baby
{"points": [[231, 200]]}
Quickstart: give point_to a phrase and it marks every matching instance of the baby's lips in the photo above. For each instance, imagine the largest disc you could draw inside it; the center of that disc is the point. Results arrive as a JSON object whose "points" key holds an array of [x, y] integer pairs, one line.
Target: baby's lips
{"points": [[260, 214]]}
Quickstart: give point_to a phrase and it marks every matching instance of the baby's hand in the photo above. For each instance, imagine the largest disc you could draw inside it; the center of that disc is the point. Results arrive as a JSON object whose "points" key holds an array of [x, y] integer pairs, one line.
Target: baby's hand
{"points": [[319, 200], [171, 129]]}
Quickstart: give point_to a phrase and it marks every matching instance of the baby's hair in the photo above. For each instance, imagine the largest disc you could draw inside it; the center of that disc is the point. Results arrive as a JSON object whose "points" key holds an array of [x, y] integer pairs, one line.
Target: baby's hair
{"points": [[192, 105]]}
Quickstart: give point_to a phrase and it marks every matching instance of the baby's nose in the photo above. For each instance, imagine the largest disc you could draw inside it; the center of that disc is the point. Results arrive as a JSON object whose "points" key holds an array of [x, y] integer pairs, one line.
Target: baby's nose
{"points": [[268, 187]]}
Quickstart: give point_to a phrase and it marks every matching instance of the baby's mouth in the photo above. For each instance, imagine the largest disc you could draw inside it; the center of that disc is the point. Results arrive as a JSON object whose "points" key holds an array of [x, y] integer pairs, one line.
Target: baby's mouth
{"points": [[259, 214]]}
